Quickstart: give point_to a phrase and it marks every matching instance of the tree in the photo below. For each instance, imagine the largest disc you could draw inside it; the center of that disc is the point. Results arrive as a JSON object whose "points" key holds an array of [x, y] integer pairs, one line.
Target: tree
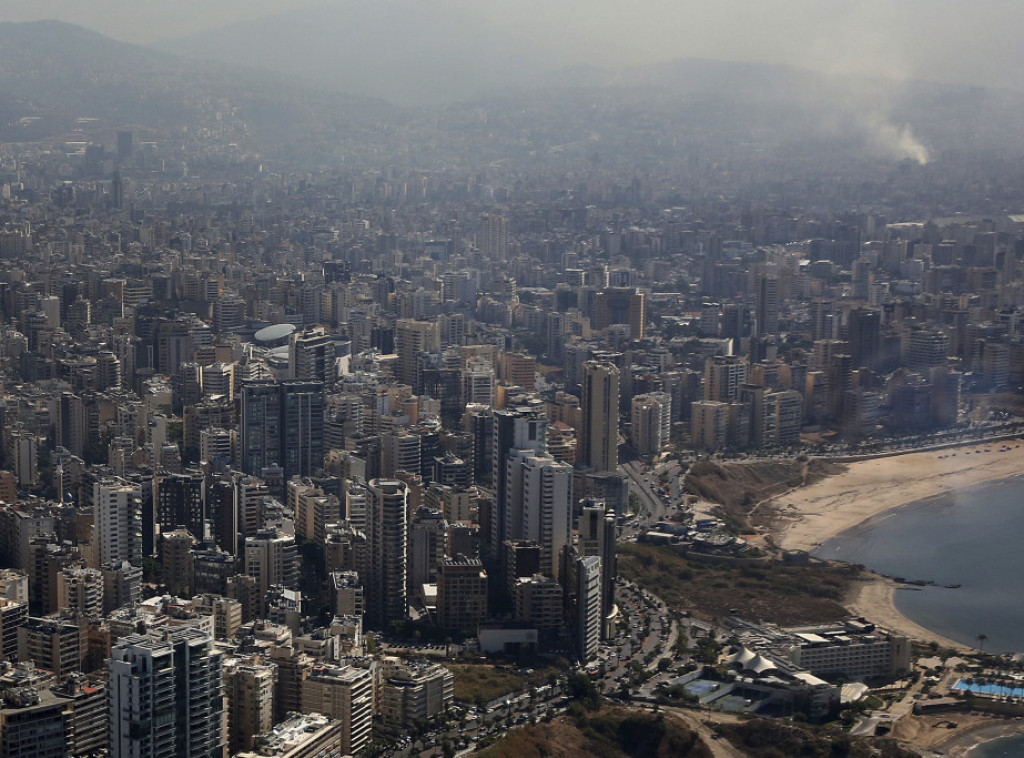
{"points": [[981, 642], [582, 689]]}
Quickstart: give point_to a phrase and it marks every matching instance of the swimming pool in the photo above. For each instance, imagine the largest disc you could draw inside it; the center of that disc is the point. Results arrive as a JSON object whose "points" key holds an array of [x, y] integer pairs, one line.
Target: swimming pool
{"points": [[989, 688]]}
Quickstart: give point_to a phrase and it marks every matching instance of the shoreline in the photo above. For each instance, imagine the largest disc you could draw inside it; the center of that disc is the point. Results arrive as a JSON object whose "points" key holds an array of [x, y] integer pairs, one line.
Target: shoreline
{"points": [[808, 516], [963, 744], [874, 598], [866, 492]]}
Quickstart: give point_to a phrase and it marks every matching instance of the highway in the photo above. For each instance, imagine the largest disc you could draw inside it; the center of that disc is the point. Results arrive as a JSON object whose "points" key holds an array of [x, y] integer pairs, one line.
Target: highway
{"points": [[654, 509]]}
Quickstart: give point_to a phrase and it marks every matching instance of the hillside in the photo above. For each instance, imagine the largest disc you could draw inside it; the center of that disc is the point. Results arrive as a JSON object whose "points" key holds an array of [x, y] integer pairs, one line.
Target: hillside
{"points": [[761, 738], [609, 733], [739, 487], [779, 593], [59, 80]]}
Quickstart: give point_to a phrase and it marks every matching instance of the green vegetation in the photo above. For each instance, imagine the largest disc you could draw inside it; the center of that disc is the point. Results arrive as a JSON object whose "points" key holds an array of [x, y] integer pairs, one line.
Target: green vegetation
{"points": [[707, 650], [609, 733], [481, 683], [781, 593], [760, 738], [583, 690]]}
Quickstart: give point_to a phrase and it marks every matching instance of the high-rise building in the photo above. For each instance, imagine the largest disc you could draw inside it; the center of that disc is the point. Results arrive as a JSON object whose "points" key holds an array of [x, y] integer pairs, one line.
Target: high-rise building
{"points": [[260, 430], [599, 438], [414, 692], [80, 590], [588, 606], [539, 504], [344, 693], [228, 314], [767, 304], [400, 452], [620, 305], [786, 409], [519, 428], [302, 428], [539, 601], [272, 559], [282, 425], [428, 535], [249, 690], [13, 584], [387, 532], [650, 422], [412, 338], [709, 425], [822, 319], [461, 593], [755, 429], [122, 585], [52, 643], [926, 349], [521, 558], [180, 502], [723, 376], [597, 533], [735, 323], [218, 379], [35, 723], [117, 514], [862, 334], [13, 614], [176, 560], [347, 592], [492, 237], [518, 369], [87, 701], [72, 423], [311, 355], [166, 695]]}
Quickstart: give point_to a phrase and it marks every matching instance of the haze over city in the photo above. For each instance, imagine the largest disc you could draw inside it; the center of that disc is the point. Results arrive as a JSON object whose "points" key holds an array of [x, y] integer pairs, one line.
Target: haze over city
{"points": [[943, 40], [435, 379]]}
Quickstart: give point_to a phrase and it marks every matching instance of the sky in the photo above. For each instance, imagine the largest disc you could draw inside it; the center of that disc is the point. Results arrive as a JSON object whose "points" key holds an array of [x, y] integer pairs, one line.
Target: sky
{"points": [[945, 40]]}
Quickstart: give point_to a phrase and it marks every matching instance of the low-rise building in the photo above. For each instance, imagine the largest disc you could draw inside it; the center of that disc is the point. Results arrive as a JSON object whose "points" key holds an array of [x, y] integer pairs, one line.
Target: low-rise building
{"points": [[300, 736], [414, 691]]}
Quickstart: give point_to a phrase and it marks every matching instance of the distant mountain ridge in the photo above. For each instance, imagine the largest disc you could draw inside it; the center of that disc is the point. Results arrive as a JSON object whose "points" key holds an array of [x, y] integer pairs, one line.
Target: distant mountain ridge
{"points": [[417, 54], [54, 74], [60, 81]]}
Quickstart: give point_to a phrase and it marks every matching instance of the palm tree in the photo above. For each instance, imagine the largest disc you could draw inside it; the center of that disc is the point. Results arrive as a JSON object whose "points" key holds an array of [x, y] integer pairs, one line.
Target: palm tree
{"points": [[981, 642]]}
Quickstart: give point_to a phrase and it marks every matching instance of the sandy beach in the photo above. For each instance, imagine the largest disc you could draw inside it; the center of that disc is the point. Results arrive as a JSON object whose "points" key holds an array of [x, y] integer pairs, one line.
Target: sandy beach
{"points": [[931, 734], [873, 599], [807, 516]]}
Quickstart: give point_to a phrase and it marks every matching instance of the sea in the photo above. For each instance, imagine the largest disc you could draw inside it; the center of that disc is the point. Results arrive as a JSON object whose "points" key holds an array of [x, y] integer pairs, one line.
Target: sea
{"points": [[1004, 747], [963, 551]]}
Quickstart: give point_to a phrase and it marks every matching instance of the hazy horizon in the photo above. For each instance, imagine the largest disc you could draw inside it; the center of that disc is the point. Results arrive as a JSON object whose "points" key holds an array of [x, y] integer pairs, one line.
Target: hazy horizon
{"points": [[949, 42]]}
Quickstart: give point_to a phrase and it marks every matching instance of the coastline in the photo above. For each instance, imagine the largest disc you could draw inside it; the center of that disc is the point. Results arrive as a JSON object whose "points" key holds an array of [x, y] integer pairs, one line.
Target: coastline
{"points": [[930, 736], [874, 599], [808, 516], [964, 743]]}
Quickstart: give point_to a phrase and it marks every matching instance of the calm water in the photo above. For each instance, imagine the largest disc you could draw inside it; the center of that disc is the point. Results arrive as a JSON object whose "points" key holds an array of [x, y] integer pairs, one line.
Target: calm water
{"points": [[1010, 747], [972, 538]]}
